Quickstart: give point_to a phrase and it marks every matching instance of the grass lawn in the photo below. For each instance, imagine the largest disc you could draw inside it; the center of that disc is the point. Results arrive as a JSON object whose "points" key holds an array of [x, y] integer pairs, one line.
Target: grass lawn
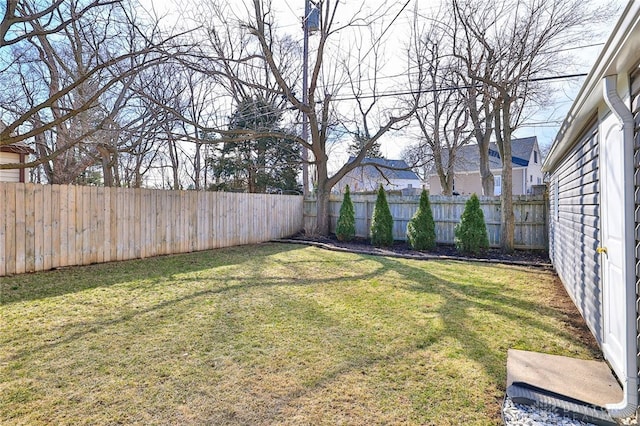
{"points": [[274, 334]]}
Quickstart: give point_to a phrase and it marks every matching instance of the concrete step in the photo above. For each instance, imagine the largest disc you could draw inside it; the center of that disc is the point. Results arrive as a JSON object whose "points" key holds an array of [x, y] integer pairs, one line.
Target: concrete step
{"points": [[577, 388]]}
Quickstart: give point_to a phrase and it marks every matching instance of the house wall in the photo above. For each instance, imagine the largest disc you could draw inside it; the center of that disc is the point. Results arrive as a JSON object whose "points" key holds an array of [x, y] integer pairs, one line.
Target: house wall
{"points": [[574, 226], [434, 185], [464, 184], [519, 185], [9, 175], [470, 183], [534, 170], [403, 183], [360, 182]]}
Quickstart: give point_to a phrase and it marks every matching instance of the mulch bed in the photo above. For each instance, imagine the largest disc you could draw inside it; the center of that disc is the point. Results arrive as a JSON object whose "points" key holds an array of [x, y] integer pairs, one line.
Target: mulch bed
{"points": [[537, 258]]}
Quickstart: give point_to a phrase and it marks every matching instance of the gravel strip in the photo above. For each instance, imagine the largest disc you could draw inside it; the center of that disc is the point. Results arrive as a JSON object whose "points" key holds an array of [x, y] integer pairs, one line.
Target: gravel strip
{"points": [[531, 415]]}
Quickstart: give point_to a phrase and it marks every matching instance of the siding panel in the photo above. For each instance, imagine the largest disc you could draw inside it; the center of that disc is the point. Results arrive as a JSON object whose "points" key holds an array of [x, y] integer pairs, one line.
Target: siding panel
{"points": [[574, 234]]}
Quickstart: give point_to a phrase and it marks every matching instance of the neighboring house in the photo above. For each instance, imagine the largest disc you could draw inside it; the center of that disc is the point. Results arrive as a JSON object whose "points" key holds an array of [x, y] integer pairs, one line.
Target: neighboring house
{"points": [[13, 154], [525, 160], [391, 174], [594, 172]]}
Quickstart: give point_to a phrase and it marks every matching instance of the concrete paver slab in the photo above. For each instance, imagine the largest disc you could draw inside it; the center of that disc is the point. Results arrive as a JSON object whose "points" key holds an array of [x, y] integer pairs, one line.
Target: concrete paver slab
{"points": [[591, 382]]}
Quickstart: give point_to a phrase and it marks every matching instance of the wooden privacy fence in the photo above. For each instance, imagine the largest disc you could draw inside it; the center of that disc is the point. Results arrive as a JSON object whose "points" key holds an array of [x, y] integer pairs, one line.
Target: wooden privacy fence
{"points": [[530, 217], [49, 226]]}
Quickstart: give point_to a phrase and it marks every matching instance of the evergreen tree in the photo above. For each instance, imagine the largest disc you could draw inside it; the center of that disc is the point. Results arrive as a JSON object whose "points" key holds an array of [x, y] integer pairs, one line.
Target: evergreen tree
{"points": [[421, 230], [382, 222], [257, 164], [359, 141], [346, 228], [471, 232]]}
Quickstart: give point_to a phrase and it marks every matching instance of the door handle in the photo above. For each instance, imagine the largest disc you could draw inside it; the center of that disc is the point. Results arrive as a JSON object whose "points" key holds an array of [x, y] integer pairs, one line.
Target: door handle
{"points": [[601, 250]]}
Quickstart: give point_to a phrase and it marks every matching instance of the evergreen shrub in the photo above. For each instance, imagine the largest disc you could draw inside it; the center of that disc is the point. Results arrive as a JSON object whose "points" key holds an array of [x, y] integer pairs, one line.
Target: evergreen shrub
{"points": [[346, 227], [471, 232], [421, 230], [382, 222]]}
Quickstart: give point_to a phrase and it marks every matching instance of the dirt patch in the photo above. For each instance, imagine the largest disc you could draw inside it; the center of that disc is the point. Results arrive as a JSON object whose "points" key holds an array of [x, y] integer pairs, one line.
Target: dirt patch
{"points": [[559, 299]]}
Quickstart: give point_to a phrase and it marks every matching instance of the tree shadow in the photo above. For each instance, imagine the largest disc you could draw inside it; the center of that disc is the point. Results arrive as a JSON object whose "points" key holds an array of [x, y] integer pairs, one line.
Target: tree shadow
{"points": [[458, 303], [74, 279], [461, 299], [231, 283]]}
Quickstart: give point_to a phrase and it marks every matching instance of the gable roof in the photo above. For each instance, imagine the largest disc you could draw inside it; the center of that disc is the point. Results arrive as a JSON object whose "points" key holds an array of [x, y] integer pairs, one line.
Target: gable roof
{"points": [[468, 157], [392, 169]]}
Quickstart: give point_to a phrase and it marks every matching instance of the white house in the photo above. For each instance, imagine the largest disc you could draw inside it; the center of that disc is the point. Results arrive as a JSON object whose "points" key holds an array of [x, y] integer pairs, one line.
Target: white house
{"points": [[391, 174], [526, 162], [13, 154]]}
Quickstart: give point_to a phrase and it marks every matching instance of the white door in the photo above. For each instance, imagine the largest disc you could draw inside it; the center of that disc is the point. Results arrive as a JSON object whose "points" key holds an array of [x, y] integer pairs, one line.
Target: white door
{"points": [[612, 244]]}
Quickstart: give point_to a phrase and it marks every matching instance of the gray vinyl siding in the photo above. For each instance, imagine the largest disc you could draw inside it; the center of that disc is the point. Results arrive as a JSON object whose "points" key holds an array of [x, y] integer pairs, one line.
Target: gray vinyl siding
{"points": [[574, 228]]}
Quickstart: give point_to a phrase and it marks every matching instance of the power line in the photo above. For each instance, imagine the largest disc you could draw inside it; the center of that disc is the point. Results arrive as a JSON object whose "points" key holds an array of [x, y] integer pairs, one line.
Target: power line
{"points": [[448, 88], [413, 92]]}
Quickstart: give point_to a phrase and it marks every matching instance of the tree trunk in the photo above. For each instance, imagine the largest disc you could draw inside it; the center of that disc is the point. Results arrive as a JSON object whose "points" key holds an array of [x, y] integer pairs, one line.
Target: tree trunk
{"points": [[173, 156], [485, 172], [197, 164], [322, 198], [503, 140], [483, 138], [507, 218], [447, 185], [105, 162]]}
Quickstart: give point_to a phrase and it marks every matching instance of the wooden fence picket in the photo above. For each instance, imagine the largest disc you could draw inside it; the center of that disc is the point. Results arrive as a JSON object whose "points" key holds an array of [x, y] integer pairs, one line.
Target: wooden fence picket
{"points": [[44, 227], [529, 211]]}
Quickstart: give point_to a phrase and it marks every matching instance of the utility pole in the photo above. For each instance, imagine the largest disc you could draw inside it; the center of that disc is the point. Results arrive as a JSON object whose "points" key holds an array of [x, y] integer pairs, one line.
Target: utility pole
{"points": [[305, 98]]}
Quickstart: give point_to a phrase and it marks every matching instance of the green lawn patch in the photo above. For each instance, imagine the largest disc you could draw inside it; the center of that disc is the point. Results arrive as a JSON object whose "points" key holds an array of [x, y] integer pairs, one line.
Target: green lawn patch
{"points": [[274, 334]]}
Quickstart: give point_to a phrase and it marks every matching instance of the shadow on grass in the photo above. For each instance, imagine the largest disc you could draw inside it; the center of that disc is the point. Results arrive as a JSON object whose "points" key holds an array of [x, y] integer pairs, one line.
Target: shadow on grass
{"points": [[42, 285], [461, 298], [230, 284], [357, 343]]}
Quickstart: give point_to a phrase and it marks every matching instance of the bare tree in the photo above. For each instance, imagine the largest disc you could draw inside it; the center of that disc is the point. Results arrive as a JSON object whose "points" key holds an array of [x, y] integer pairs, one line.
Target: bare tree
{"points": [[442, 117], [68, 66], [515, 41], [320, 107]]}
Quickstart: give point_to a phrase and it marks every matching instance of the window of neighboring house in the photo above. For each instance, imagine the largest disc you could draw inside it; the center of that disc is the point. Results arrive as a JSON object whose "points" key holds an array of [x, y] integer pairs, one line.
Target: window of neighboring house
{"points": [[497, 185], [535, 157], [531, 178], [539, 181]]}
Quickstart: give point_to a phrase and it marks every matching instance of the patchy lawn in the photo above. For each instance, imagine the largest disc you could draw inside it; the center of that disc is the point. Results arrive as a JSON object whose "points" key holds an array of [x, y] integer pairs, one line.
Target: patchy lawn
{"points": [[274, 334]]}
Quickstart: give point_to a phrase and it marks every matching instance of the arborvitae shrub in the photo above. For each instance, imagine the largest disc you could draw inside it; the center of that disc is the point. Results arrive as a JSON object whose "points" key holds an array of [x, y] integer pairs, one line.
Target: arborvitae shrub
{"points": [[471, 232], [421, 230], [382, 222], [346, 228]]}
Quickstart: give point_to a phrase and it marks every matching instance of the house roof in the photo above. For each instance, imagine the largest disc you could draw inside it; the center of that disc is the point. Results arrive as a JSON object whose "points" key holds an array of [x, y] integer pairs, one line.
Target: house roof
{"points": [[468, 156], [18, 147], [618, 56], [392, 169]]}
